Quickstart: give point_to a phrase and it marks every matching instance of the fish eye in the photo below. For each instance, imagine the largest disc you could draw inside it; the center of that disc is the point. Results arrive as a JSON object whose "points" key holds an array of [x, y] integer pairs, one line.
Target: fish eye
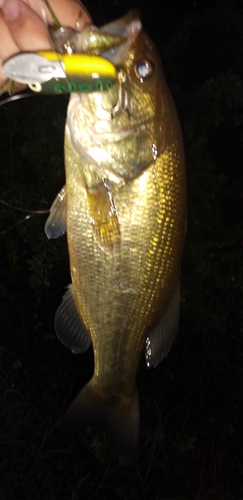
{"points": [[143, 69]]}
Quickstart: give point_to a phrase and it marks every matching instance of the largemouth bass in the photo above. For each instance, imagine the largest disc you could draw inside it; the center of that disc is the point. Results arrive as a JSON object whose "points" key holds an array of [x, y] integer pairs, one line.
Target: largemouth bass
{"points": [[124, 210]]}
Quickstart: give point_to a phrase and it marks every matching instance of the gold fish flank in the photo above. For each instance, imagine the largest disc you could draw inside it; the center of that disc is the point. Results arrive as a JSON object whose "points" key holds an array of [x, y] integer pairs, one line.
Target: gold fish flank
{"points": [[126, 212]]}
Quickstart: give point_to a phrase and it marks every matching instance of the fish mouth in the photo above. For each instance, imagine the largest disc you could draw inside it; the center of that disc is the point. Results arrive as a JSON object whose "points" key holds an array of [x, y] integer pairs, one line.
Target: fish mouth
{"points": [[112, 41]]}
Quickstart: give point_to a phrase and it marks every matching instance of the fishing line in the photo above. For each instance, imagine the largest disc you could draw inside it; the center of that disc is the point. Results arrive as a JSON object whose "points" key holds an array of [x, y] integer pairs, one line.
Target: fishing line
{"points": [[57, 24], [15, 98], [27, 217], [33, 212], [53, 15], [44, 211], [17, 223]]}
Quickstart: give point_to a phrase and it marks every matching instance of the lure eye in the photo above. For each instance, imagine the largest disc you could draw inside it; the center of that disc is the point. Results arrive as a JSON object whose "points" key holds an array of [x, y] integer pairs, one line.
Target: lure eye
{"points": [[143, 69]]}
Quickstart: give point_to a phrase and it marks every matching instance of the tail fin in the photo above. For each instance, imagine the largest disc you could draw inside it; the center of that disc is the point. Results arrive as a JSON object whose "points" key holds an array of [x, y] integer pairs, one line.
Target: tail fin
{"points": [[119, 419]]}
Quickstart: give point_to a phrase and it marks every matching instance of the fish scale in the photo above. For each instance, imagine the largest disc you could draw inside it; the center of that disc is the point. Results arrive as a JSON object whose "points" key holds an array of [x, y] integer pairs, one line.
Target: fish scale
{"points": [[125, 214], [147, 267]]}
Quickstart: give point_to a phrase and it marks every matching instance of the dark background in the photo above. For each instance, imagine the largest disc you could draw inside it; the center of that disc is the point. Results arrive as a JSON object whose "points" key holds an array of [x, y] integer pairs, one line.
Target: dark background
{"points": [[191, 404]]}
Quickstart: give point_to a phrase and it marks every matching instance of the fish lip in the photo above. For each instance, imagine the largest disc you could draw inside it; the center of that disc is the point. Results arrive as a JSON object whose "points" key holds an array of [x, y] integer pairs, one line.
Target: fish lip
{"points": [[119, 135], [112, 136]]}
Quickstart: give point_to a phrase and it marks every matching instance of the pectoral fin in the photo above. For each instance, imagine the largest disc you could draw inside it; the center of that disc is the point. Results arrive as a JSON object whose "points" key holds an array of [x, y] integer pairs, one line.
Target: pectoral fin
{"points": [[160, 339], [69, 327], [103, 215], [56, 223]]}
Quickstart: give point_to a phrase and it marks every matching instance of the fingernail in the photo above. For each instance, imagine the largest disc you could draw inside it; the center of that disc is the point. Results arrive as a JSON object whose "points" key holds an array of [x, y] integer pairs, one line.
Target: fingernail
{"points": [[11, 10]]}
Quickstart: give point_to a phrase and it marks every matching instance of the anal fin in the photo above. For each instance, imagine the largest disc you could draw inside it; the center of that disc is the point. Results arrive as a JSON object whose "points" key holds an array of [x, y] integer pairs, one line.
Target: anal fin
{"points": [[160, 339], [69, 327]]}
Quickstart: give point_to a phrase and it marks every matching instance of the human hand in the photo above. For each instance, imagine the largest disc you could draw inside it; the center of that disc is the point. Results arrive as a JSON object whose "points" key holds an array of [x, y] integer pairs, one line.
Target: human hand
{"points": [[23, 25]]}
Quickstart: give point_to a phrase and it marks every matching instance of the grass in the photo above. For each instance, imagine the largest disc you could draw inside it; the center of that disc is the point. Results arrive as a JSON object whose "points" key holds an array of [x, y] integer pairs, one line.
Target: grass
{"points": [[191, 404]]}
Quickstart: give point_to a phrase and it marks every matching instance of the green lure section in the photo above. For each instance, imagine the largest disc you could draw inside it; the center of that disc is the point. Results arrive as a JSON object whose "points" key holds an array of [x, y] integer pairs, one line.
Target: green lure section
{"points": [[75, 84]]}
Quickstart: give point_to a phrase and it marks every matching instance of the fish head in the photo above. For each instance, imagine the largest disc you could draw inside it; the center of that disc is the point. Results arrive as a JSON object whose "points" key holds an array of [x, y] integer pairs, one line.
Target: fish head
{"points": [[119, 130]]}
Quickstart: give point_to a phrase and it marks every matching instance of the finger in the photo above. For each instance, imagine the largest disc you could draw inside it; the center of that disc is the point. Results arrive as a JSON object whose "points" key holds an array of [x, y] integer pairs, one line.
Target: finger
{"points": [[70, 12], [25, 26], [7, 46]]}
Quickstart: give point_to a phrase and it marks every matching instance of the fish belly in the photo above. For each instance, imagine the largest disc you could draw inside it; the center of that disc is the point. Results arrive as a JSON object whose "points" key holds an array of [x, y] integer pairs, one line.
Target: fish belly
{"points": [[122, 291]]}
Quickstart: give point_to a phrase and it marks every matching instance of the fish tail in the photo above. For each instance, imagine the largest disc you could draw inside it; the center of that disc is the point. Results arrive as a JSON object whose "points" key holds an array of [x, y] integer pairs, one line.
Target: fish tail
{"points": [[119, 419]]}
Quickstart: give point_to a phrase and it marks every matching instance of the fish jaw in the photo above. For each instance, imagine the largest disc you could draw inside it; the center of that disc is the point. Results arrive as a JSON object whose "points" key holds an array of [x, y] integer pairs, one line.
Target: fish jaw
{"points": [[105, 142]]}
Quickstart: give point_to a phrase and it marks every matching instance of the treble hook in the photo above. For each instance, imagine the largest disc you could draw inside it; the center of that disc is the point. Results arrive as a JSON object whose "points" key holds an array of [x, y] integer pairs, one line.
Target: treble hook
{"points": [[123, 100]]}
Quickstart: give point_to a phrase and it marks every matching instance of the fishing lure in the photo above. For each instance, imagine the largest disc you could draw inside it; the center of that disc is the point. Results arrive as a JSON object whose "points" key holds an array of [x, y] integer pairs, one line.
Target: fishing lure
{"points": [[52, 73], [61, 70]]}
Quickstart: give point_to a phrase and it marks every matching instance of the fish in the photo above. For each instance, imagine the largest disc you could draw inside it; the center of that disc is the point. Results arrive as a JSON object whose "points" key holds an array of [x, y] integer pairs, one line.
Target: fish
{"points": [[124, 208]]}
